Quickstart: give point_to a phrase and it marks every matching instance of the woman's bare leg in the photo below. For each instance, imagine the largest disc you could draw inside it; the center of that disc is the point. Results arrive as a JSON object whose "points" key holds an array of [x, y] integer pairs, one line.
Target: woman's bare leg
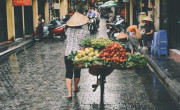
{"points": [[69, 86]]}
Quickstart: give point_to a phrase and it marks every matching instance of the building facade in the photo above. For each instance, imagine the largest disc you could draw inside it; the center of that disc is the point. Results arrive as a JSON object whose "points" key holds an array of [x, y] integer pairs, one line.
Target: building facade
{"points": [[165, 16], [17, 21]]}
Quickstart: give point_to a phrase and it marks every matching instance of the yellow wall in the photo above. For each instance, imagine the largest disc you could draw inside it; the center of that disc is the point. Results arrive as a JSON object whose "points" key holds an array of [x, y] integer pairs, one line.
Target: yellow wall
{"points": [[126, 12], [131, 12], [10, 20], [23, 20], [157, 14], [35, 13], [63, 8], [46, 11]]}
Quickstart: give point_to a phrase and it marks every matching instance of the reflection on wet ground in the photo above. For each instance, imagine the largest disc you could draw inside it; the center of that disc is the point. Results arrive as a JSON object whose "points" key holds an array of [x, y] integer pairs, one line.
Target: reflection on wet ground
{"points": [[35, 79]]}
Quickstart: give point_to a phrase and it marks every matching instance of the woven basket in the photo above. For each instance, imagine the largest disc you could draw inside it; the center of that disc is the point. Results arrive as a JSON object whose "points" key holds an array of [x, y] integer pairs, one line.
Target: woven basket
{"points": [[98, 69]]}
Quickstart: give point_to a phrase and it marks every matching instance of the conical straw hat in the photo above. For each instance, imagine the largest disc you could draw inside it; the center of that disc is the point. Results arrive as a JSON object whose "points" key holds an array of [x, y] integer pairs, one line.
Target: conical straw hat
{"points": [[122, 35], [77, 20], [147, 18]]}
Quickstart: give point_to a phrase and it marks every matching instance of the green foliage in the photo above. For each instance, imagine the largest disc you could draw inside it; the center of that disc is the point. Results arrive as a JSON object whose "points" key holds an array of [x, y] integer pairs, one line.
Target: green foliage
{"points": [[135, 60], [86, 42], [72, 55]]}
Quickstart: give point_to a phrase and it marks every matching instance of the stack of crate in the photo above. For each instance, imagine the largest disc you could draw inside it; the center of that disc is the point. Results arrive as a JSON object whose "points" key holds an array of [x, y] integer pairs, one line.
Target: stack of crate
{"points": [[153, 45], [161, 46]]}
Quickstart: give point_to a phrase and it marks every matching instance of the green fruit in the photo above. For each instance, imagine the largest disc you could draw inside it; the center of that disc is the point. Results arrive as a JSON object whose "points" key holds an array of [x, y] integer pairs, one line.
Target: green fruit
{"points": [[79, 55], [90, 59], [95, 57], [91, 54], [76, 58]]}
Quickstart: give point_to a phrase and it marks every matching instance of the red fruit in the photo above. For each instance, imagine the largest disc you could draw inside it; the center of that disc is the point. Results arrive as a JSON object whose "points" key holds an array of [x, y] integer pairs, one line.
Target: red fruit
{"points": [[103, 58], [118, 59]]}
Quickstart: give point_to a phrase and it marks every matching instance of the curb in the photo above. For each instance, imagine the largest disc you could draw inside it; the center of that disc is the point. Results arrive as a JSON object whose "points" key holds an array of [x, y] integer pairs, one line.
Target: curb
{"points": [[15, 47], [170, 84]]}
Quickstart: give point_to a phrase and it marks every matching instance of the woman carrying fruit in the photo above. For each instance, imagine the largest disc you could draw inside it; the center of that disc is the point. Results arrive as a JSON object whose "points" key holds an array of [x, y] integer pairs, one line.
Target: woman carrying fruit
{"points": [[76, 31]]}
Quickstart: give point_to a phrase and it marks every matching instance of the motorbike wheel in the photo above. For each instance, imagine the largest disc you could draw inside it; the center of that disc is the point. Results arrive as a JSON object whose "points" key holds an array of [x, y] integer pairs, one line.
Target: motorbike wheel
{"points": [[91, 31], [62, 37], [37, 38], [111, 35]]}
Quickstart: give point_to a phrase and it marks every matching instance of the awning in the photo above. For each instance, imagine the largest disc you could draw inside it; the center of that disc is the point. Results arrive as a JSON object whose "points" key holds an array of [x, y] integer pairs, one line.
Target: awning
{"points": [[109, 4]]}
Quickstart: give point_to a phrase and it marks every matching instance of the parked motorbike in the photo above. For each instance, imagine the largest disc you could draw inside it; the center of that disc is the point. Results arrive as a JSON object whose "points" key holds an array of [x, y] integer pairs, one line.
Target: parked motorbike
{"points": [[55, 28], [114, 28], [92, 25], [65, 19]]}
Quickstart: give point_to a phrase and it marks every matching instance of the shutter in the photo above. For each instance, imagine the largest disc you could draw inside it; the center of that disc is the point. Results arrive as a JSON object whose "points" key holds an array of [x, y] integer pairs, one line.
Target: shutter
{"points": [[3, 21], [163, 15]]}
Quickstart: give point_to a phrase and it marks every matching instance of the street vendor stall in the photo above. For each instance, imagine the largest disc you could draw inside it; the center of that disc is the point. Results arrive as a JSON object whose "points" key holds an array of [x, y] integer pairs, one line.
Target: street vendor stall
{"points": [[101, 56]]}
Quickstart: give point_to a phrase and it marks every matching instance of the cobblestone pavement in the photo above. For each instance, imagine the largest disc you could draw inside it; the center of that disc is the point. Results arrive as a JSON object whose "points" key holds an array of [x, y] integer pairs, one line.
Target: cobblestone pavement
{"points": [[34, 79]]}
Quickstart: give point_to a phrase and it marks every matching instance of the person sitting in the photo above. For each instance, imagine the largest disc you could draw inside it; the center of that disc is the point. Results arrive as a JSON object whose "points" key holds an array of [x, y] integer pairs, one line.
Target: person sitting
{"points": [[148, 29], [124, 39]]}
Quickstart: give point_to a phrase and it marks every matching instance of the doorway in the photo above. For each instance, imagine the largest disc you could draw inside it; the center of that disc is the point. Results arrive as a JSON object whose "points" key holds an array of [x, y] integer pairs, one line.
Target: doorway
{"points": [[3, 21], [28, 20], [18, 22]]}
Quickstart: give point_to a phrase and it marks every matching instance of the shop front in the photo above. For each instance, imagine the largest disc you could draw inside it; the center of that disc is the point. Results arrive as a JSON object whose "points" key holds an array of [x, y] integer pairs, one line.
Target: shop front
{"points": [[28, 20], [3, 21], [170, 21], [18, 21], [41, 7], [174, 24]]}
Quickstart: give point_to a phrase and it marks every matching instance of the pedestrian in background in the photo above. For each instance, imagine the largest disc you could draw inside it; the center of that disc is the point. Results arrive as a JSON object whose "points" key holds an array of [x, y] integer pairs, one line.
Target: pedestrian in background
{"points": [[40, 24], [76, 31]]}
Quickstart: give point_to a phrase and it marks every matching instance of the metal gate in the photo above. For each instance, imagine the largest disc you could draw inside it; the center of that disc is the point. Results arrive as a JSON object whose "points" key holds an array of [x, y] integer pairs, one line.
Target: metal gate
{"points": [[3, 21], [163, 15], [28, 20], [18, 21]]}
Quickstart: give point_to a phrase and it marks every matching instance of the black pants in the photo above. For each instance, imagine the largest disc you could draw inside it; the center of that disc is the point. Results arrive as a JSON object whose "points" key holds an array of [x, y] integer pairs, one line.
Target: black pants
{"points": [[140, 42], [40, 29], [70, 69], [147, 38]]}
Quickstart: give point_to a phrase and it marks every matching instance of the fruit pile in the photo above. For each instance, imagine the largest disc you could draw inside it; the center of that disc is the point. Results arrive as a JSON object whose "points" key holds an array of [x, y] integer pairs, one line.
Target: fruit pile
{"points": [[86, 57], [104, 52], [101, 42], [114, 53]]}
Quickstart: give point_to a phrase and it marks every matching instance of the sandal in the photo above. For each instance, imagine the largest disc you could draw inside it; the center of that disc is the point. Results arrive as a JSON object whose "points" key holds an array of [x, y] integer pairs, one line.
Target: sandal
{"points": [[77, 89], [69, 99]]}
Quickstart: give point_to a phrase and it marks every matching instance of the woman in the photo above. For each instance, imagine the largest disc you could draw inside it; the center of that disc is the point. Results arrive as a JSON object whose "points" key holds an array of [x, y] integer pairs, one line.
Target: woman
{"points": [[75, 32], [134, 32], [124, 39], [148, 29]]}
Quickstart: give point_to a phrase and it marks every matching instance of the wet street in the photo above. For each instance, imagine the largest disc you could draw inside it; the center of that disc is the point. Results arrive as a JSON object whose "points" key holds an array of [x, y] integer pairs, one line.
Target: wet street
{"points": [[34, 79]]}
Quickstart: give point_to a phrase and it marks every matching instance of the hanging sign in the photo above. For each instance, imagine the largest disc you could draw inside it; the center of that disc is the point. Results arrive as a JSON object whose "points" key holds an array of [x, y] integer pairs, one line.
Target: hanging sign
{"points": [[21, 2], [56, 6], [92, 1]]}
